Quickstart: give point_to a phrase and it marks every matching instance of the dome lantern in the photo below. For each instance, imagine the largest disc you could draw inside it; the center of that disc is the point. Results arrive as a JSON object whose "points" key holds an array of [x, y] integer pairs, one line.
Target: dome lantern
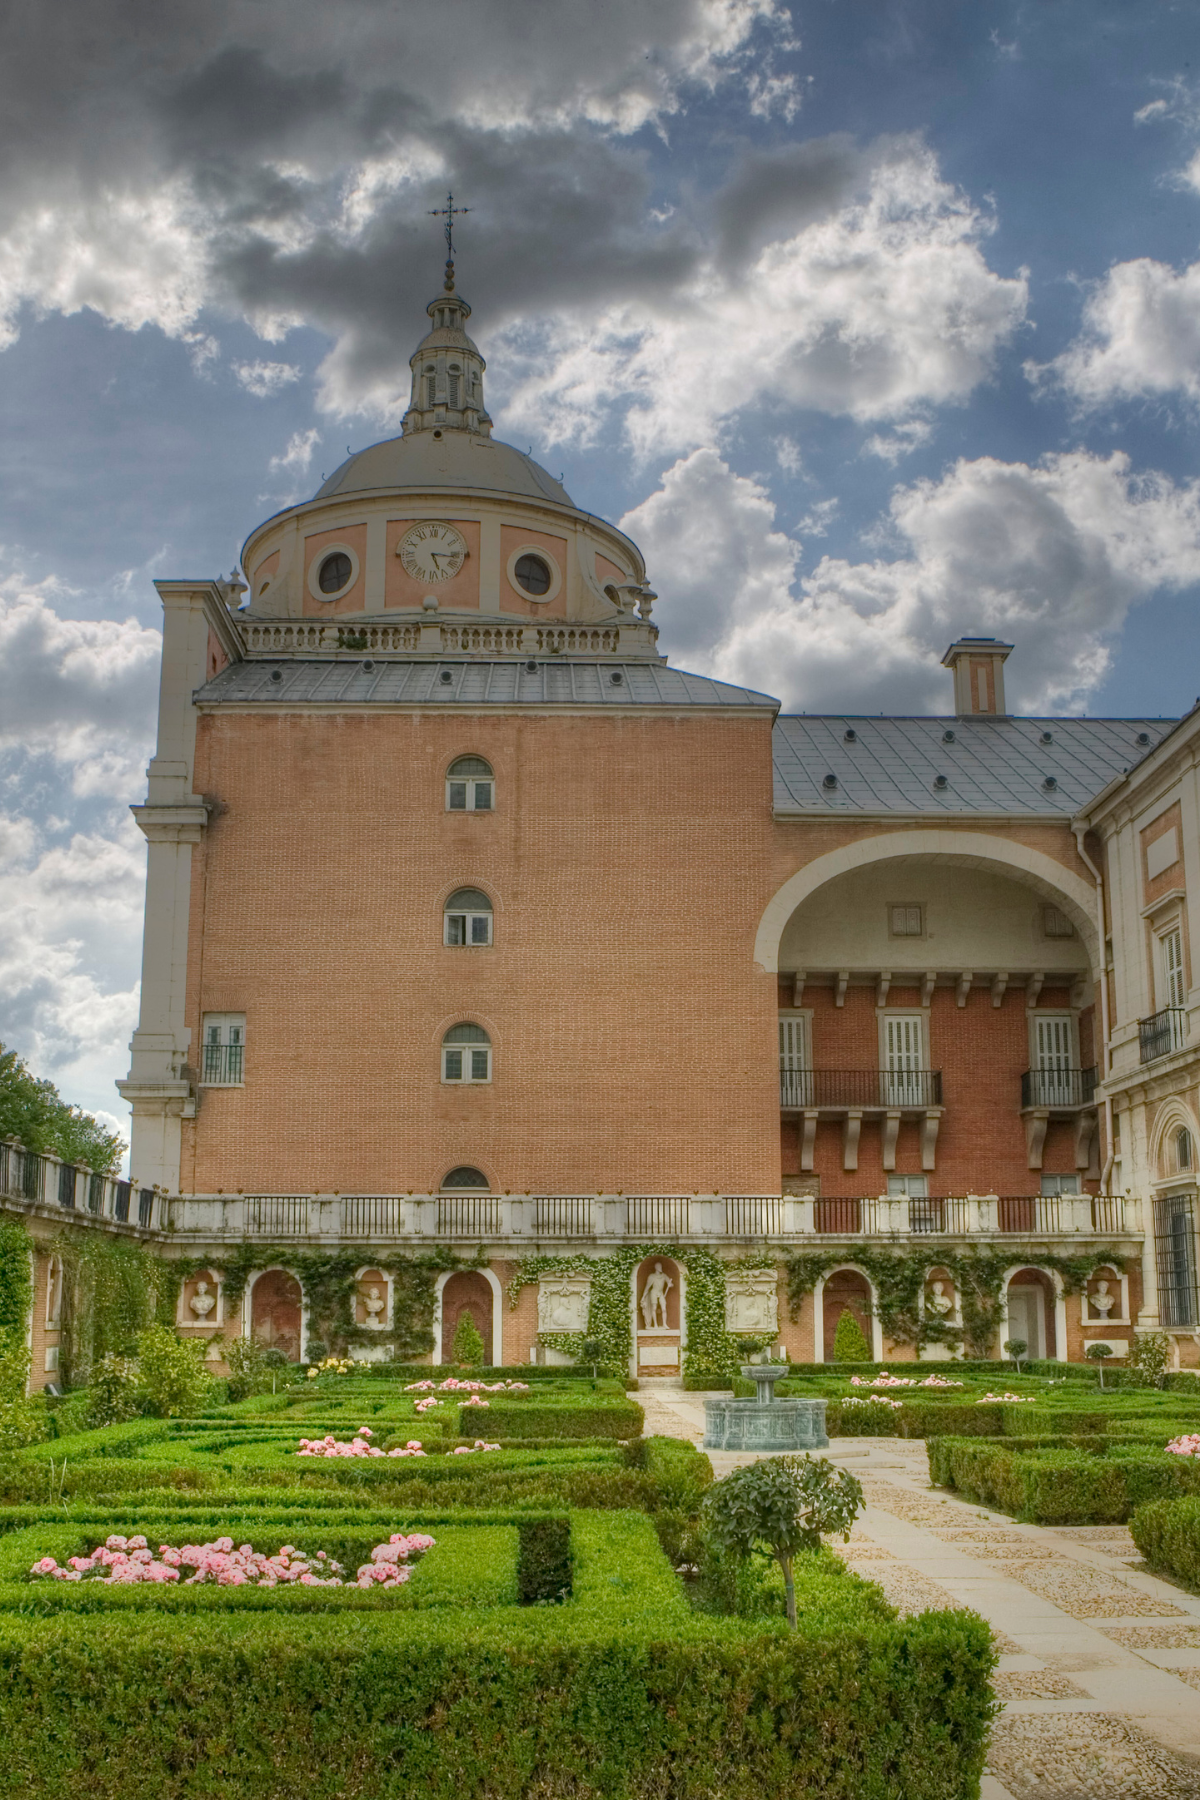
{"points": [[447, 374]]}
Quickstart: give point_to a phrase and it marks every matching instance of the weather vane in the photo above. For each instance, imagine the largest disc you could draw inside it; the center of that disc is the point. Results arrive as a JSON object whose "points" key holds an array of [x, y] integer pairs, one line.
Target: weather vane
{"points": [[449, 213]]}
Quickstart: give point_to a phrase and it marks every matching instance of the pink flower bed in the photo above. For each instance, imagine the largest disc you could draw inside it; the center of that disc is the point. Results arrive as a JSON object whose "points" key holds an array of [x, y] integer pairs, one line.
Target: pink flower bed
{"points": [[452, 1385], [937, 1381], [1185, 1446], [126, 1560], [469, 1449], [358, 1446], [884, 1381], [1014, 1399], [874, 1400]]}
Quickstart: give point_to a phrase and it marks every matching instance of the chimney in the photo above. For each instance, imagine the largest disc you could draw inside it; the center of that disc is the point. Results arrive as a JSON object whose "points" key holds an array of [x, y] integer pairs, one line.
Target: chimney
{"points": [[978, 665]]}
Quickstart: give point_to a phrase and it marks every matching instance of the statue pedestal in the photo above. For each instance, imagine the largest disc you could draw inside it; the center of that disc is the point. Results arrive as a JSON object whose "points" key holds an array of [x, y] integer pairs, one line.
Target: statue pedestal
{"points": [[765, 1423]]}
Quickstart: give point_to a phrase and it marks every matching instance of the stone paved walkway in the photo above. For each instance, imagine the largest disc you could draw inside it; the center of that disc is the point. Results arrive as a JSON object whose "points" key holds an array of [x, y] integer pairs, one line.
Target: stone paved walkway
{"points": [[1100, 1661]]}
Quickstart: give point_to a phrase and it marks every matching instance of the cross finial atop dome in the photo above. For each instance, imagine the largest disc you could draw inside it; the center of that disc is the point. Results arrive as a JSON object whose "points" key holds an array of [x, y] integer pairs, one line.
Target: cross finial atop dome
{"points": [[449, 212]]}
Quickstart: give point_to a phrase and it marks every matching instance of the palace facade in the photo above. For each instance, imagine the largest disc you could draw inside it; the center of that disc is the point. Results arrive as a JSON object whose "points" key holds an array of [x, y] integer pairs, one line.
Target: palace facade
{"points": [[471, 920]]}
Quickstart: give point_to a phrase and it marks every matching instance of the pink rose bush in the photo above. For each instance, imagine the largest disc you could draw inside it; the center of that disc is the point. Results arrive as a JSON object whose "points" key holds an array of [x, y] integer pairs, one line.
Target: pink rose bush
{"points": [[1188, 1445], [469, 1450], [884, 1381], [938, 1381], [121, 1561], [1015, 1399], [874, 1400], [358, 1446], [452, 1385]]}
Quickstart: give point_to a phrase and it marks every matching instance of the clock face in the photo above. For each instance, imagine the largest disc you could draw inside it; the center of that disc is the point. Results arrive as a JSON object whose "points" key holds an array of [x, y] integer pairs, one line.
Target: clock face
{"points": [[432, 551]]}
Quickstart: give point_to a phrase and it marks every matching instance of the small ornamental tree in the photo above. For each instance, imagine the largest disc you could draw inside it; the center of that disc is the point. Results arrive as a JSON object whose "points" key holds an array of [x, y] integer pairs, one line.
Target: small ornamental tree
{"points": [[779, 1507], [173, 1377], [849, 1344], [467, 1348], [1098, 1353], [1151, 1354], [591, 1351], [1016, 1348], [114, 1390]]}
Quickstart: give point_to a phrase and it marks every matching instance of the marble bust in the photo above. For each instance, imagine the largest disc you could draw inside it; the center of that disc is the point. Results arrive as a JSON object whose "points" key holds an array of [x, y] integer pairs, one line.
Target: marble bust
{"points": [[202, 1302], [654, 1299], [373, 1304], [1102, 1301], [939, 1301]]}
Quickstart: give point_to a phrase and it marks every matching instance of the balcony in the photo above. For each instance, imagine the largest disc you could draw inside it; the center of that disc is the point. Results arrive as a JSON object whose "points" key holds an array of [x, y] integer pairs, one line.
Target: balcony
{"points": [[871, 1090], [1162, 1033], [1061, 1090], [46, 1184], [221, 1065]]}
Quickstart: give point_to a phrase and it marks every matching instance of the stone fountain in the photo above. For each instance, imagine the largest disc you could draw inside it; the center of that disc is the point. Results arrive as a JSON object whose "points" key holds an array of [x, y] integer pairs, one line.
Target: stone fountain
{"points": [[765, 1423]]}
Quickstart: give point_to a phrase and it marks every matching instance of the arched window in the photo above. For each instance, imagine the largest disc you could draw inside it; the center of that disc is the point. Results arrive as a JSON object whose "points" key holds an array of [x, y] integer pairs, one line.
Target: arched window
{"points": [[1184, 1153], [430, 387], [466, 1178], [466, 1054], [467, 919], [469, 785], [452, 378]]}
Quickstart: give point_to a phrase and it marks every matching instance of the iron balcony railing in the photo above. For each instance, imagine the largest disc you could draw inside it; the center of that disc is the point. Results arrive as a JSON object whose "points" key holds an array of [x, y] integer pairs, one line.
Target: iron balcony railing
{"points": [[944, 1215], [1058, 1087], [842, 1216], [879, 1090], [753, 1215], [657, 1215], [276, 1215], [1039, 1214], [370, 1215], [563, 1215], [475, 1216], [221, 1065], [1162, 1032]]}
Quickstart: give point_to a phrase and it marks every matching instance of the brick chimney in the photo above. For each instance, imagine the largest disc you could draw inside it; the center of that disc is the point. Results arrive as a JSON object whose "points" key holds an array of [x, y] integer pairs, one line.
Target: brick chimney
{"points": [[978, 665]]}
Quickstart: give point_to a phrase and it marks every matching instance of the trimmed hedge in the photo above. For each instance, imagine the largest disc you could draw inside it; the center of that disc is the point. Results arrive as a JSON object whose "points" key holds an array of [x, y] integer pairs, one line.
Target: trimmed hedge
{"points": [[619, 1693], [1060, 1486], [530, 1418], [1167, 1532]]}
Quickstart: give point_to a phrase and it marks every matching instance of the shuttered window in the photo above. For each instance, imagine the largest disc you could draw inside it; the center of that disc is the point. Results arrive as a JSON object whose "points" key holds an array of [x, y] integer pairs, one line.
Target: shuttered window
{"points": [[1171, 944], [904, 1050]]}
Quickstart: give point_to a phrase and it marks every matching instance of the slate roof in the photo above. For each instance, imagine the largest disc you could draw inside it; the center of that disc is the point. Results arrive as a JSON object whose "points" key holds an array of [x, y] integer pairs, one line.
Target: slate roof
{"points": [[554, 681], [989, 766]]}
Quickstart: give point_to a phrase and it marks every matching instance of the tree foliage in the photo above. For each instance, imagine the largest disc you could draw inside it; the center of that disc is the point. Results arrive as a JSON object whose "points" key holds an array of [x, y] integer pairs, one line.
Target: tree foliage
{"points": [[781, 1506], [849, 1344], [467, 1348], [33, 1110], [172, 1376]]}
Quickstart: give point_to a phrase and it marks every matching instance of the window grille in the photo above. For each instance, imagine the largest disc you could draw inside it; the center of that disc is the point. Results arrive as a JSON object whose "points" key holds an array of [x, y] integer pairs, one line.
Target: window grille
{"points": [[905, 921], [1056, 924], [66, 1185], [222, 1053], [1175, 1259], [430, 390]]}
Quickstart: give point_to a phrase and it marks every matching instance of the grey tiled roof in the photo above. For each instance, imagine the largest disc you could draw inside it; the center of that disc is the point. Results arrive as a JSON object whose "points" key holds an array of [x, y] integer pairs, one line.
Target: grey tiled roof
{"points": [[1000, 766], [554, 681]]}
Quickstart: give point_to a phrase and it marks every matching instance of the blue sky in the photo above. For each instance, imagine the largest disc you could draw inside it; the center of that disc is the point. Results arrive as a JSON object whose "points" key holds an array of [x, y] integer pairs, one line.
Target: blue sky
{"points": [[874, 323]]}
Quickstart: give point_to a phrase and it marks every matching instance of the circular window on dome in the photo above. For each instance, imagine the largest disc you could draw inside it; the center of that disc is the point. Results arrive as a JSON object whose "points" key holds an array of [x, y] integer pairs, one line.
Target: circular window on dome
{"points": [[336, 573], [533, 574]]}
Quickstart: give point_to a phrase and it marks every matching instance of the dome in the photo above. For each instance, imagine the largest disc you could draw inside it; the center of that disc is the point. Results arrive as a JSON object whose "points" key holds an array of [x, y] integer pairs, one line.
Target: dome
{"points": [[423, 460]]}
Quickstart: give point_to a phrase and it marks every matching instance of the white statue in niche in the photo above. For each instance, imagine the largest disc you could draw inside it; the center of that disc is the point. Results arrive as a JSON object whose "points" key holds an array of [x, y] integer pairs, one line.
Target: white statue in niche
{"points": [[752, 1301], [563, 1303], [202, 1302], [1102, 1300], [374, 1306], [654, 1299], [938, 1300]]}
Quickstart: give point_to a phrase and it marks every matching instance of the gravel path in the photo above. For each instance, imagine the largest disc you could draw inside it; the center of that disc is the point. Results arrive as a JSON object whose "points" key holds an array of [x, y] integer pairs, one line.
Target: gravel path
{"points": [[1099, 1660]]}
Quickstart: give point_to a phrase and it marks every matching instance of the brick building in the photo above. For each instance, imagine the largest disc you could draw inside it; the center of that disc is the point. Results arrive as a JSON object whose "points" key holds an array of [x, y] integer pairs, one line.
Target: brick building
{"points": [[470, 919]]}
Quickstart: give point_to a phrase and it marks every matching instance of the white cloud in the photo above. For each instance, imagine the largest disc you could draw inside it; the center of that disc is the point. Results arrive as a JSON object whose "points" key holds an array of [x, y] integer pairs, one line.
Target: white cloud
{"points": [[881, 303], [1052, 556], [299, 452], [890, 446], [264, 379], [1141, 337]]}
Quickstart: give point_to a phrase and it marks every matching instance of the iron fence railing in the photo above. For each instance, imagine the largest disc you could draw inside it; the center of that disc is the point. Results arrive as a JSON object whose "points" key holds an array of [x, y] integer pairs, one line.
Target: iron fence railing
{"points": [[657, 1215], [67, 1176], [370, 1215], [469, 1215], [753, 1215], [876, 1089], [1161, 1033], [1175, 1259], [947, 1215], [221, 1065], [562, 1215], [1108, 1212], [844, 1216], [1058, 1087], [1039, 1214], [276, 1215]]}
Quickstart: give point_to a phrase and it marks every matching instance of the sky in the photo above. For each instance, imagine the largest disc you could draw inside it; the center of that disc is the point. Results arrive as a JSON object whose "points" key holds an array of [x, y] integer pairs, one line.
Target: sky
{"points": [[874, 322]]}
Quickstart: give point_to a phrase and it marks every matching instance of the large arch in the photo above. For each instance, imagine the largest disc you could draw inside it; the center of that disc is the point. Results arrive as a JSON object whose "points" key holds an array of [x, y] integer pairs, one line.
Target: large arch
{"points": [[977, 849]]}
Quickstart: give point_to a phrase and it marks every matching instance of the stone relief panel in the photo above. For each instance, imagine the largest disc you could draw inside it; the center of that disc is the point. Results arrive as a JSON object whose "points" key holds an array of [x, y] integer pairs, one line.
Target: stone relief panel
{"points": [[752, 1300], [563, 1302]]}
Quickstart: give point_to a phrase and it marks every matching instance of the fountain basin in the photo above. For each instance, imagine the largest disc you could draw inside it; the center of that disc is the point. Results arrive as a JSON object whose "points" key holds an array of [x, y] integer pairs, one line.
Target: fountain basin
{"points": [[765, 1423]]}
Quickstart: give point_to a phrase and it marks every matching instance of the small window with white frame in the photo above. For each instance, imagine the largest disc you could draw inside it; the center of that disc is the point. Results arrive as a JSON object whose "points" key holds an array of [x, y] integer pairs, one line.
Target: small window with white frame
{"points": [[1053, 1185], [1055, 923], [795, 1063], [223, 1050], [912, 1187], [470, 785], [906, 918], [467, 919], [466, 1054]]}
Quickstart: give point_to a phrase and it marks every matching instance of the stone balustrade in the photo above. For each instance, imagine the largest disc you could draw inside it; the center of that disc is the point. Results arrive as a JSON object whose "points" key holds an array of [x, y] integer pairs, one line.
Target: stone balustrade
{"points": [[43, 1184], [527, 1219]]}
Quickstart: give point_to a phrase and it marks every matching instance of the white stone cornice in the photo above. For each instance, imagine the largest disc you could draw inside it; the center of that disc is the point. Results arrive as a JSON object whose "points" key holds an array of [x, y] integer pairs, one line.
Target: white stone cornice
{"points": [[173, 824]]}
